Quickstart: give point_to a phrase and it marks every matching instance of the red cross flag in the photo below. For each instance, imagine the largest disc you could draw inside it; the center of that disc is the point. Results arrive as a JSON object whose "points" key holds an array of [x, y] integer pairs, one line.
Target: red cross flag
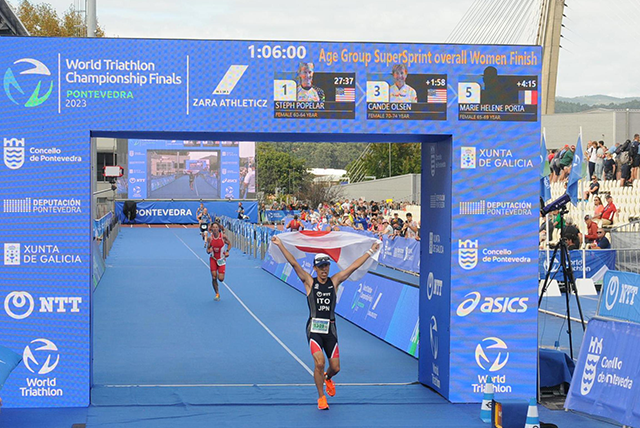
{"points": [[343, 247]]}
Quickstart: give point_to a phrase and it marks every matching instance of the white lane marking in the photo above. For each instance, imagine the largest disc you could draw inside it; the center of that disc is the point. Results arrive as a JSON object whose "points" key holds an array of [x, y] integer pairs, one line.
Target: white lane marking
{"points": [[245, 385], [277, 339], [555, 314]]}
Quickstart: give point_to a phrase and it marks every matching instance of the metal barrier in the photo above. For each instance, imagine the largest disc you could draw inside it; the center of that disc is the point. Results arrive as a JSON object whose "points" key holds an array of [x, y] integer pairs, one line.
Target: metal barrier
{"points": [[628, 260], [108, 233]]}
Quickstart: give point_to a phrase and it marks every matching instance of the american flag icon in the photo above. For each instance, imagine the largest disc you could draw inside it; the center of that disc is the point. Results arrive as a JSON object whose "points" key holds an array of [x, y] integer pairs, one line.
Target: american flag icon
{"points": [[345, 95], [436, 95]]}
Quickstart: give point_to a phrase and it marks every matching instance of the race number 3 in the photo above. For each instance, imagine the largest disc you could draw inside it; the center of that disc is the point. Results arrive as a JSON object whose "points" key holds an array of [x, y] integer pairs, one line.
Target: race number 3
{"points": [[377, 92]]}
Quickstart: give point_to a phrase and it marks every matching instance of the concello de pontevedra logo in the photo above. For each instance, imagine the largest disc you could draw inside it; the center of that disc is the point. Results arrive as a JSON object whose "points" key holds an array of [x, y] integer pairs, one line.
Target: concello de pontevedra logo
{"points": [[26, 89], [13, 152]]}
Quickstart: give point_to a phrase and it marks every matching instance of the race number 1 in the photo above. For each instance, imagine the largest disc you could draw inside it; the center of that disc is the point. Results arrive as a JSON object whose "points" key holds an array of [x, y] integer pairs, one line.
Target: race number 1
{"points": [[284, 90]]}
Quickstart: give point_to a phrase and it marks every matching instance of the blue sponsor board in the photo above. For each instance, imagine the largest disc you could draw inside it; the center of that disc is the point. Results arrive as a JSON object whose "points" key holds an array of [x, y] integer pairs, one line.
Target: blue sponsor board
{"points": [[59, 93], [184, 212], [597, 263], [385, 308], [606, 381], [619, 298], [435, 276], [401, 253]]}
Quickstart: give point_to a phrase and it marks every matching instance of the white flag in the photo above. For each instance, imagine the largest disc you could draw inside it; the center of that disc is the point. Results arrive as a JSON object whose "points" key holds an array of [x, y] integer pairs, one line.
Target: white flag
{"points": [[343, 247]]}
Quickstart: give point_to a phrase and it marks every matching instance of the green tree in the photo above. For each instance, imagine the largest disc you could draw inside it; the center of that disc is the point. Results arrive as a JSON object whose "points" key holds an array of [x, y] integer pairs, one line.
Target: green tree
{"points": [[42, 20], [405, 159], [279, 169]]}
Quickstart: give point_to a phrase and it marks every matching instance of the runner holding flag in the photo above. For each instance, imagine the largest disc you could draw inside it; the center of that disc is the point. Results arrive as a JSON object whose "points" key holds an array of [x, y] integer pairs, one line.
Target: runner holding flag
{"points": [[322, 291]]}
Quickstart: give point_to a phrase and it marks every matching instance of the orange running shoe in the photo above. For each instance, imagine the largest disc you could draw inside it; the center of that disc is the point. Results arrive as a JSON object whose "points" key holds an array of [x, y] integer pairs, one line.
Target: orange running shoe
{"points": [[322, 403], [331, 387], [217, 296]]}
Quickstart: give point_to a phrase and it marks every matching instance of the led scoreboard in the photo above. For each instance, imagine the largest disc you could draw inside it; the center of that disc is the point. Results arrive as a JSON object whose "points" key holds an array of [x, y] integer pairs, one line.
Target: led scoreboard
{"points": [[188, 107]]}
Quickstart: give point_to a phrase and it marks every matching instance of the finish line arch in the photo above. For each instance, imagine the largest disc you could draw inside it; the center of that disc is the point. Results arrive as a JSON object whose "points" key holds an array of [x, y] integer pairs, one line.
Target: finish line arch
{"points": [[474, 108]]}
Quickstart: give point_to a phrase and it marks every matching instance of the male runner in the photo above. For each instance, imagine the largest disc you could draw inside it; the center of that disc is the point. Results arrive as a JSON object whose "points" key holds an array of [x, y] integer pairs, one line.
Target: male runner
{"points": [[203, 223], [217, 259], [321, 327]]}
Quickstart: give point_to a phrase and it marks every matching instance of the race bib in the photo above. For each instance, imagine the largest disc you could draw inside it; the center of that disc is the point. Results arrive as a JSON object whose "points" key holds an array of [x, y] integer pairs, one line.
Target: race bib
{"points": [[221, 261], [319, 325]]}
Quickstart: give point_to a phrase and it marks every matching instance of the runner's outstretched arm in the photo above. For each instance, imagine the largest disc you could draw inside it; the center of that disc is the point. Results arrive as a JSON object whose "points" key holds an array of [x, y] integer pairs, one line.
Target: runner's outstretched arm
{"points": [[341, 276], [302, 274]]}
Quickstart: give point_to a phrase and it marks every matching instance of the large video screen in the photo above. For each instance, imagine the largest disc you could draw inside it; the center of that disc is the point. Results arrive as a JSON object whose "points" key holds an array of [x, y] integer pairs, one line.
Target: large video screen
{"points": [[176, 169]]}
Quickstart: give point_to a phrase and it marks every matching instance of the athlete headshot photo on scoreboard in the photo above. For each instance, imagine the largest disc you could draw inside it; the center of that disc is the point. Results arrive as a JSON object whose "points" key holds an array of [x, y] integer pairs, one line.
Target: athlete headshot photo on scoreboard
{"points": [[400, 92], [306, 91]]}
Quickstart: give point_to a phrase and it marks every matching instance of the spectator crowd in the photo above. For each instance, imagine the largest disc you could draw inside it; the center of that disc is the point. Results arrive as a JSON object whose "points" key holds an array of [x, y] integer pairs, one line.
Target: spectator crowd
{"points": [[380, 218]]}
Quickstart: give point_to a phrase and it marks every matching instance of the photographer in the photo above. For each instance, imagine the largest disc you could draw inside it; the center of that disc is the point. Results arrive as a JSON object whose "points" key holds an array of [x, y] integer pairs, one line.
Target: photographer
{"points": [[571, 234]]}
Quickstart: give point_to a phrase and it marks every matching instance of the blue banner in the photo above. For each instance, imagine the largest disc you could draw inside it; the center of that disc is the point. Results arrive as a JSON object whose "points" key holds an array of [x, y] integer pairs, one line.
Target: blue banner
{"points": [[606, 381], [101, 224], [184, 212], [277, 216], [619, 298], [598, 262], [474, 108], [384, 308], [435, 362], [401, 253]]}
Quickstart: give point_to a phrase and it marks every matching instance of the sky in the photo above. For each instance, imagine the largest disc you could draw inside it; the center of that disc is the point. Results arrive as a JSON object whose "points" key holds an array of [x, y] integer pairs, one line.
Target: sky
{"points": [[598, 55]]}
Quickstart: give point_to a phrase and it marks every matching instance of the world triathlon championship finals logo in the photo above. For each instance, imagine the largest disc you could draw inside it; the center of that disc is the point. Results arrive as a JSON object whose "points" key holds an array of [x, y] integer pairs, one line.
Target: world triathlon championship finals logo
{"points": [[13, 152], [27, 88]]}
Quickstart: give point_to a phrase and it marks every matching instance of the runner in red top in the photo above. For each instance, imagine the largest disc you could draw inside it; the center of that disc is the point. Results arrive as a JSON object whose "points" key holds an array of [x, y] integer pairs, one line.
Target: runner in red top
{"points": [[294, 224], [217, 256]]}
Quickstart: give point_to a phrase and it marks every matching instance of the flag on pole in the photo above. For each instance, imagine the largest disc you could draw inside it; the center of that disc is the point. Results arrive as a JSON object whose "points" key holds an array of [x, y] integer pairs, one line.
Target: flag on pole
{"points": [[576, 172], [545, 171], [343, 247]]}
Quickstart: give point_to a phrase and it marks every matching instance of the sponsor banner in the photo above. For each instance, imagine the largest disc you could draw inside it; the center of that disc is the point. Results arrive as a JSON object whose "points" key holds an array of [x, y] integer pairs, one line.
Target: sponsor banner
{"points": [[598, 262], [435, 277], [41, 379], [401, 253], [58, 92], [184, 212], [277, 216], [619, 298], [606, 381], [101, 224], [385, 308]]}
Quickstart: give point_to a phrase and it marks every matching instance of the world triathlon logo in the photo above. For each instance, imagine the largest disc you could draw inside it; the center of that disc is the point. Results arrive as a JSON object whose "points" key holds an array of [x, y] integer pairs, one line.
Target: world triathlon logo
{"points": [[467, 253], [489, 354], [433, 337], [13, 152], [26, 89], [43, 358]]}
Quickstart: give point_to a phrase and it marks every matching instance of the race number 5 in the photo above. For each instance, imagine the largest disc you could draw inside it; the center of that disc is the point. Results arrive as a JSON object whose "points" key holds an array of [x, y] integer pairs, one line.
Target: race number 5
{"points": [[468, 93]]}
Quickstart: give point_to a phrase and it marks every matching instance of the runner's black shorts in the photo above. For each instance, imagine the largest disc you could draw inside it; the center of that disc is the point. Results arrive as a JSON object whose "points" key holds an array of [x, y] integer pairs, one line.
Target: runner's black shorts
{"points": [[324, 342]]}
